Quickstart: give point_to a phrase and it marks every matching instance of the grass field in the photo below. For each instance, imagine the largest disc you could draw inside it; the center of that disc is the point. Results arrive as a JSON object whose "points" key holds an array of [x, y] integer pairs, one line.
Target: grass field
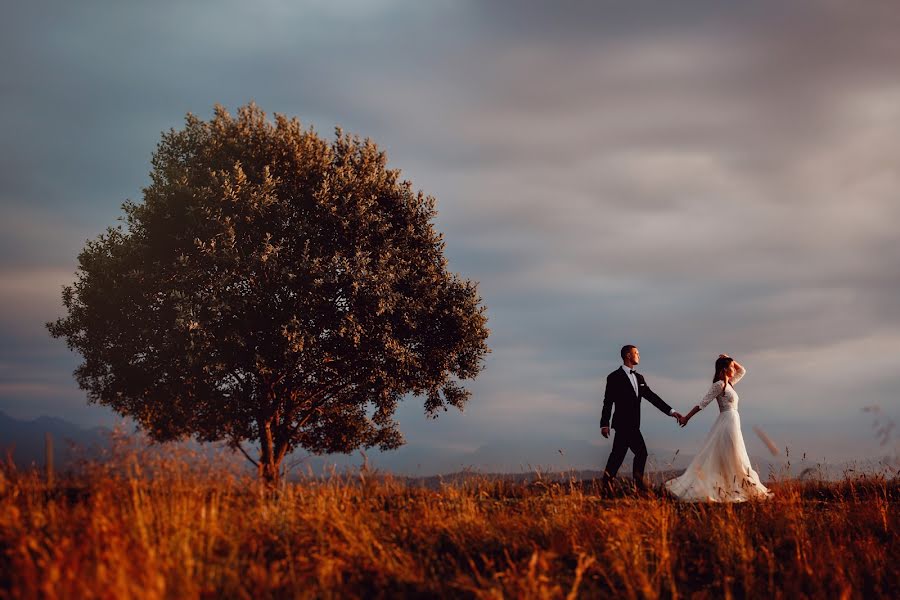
{"points": [[166, 526]]}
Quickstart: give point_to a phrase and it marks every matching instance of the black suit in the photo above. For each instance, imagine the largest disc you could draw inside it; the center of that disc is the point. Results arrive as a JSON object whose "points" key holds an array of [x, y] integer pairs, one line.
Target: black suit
{"points": [[627, 420]]}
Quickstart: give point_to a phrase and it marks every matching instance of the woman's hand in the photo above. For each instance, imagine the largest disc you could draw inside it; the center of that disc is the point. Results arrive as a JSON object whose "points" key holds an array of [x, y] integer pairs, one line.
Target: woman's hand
{"points": [[684, 420]]}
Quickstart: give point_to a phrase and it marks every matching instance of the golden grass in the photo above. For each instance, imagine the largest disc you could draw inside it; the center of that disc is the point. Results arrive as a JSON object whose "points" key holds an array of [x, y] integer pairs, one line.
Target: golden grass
{"points": [[148, 525]]}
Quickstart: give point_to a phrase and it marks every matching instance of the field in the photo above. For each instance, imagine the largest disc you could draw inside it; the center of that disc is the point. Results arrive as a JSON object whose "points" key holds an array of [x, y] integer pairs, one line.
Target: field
{"points": [[157, 525]]}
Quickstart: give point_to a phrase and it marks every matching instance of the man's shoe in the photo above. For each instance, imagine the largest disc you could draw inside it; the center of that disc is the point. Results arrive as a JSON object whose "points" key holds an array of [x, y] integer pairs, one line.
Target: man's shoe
{"points": [[607, 486]]}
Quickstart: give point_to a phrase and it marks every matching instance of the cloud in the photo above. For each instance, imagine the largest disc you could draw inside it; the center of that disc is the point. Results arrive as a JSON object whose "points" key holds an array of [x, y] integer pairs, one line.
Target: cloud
{"points": [[690, 178], [31, 294]]}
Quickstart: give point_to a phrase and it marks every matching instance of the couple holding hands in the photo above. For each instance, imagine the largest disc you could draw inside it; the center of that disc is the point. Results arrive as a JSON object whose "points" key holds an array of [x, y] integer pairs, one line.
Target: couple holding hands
{"points": [[720, 472]]}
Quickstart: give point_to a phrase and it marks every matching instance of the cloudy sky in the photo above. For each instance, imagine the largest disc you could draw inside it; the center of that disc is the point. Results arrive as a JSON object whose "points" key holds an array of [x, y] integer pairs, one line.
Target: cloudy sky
{"points": [[693, 178]]}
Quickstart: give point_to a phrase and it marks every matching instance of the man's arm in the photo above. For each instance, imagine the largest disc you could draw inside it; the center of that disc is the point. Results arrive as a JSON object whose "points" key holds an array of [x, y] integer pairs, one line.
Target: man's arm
{"points": [[655, 400], [607, 407]]}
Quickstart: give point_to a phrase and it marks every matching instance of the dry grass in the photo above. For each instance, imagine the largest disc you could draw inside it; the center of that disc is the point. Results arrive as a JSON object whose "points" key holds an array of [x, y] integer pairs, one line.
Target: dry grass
{"points": [[146, 525]]}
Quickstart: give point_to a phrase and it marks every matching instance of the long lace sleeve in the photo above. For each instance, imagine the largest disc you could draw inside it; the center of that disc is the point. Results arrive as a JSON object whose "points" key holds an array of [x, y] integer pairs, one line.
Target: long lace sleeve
{"points": [[714, 391], [738, 373]]}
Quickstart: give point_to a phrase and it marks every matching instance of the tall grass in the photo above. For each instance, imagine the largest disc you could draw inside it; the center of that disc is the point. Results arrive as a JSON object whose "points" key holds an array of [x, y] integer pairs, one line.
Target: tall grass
{"points": [[154, 525]]}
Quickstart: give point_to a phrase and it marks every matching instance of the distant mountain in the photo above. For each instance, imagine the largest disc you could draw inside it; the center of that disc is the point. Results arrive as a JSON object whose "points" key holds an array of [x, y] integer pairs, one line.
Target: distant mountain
{"points": [[25, 440], [518, 459], [501, 456], [524, 459]]}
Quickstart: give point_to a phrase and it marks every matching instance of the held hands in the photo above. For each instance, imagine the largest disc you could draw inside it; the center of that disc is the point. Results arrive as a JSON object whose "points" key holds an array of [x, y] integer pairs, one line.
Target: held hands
{"points": [[682, 421]]}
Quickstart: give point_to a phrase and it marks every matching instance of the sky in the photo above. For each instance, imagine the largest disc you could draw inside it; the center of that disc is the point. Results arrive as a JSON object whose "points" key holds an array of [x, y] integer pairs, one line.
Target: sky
{"points": [[693, 178]]}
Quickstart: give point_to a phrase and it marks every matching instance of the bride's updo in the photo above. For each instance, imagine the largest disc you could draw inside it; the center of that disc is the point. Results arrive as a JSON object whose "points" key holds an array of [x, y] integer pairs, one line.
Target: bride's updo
{"points": [[721, 365]]}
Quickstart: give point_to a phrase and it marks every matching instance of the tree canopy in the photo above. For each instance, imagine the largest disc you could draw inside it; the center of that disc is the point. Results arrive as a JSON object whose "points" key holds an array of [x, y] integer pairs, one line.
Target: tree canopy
{"points": [[272, 287]]}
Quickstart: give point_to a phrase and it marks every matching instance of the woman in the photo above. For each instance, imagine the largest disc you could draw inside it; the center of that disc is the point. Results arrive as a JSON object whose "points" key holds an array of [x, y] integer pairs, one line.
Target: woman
{"points": [[721, 471]]}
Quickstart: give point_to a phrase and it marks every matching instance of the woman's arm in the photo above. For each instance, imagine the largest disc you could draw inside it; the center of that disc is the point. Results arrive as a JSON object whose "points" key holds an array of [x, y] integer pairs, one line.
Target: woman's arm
{"points": [[714, 391], [739, 371], [684, 420]]}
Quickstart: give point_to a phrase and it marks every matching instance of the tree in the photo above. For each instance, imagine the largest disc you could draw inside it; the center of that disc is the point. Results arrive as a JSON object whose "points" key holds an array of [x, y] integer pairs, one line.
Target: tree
{"points": [[272, 287]]}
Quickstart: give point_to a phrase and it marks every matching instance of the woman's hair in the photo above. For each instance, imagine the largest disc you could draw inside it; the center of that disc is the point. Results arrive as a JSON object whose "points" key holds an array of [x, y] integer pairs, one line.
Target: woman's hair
{"points": [[721, 365]]}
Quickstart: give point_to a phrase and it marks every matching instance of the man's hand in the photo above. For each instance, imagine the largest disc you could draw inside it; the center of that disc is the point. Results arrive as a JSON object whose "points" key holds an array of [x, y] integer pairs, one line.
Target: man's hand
{"points": [[604, 431], [682, 421], [677, 416]]}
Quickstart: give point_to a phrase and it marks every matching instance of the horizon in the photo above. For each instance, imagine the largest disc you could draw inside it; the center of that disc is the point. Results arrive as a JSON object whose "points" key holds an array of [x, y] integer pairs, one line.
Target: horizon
{"points": [[509, 456]]}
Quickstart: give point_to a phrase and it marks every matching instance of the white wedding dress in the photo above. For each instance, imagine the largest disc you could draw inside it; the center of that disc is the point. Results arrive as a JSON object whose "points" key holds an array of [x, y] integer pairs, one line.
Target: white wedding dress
{"points": [[721, 471]]}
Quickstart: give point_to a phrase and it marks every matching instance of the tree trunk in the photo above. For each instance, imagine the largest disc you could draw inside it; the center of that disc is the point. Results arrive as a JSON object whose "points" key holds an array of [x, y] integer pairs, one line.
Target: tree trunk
{"points": [[268, 466], [272, 451]]}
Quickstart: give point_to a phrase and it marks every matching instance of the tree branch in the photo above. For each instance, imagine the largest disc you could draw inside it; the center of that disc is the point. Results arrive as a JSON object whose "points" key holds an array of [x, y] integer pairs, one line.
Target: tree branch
{"points": [[317, 399], [318, 404], [237, 376], [241, 448]]}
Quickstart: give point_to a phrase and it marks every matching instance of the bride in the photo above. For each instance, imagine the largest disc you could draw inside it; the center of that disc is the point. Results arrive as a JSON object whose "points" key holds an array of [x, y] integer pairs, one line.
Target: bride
{"points": [[721, 471]]}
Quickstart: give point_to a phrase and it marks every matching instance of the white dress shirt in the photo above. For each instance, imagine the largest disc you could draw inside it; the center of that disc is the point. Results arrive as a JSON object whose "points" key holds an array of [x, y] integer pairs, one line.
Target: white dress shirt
{"points": [[631, 377]]}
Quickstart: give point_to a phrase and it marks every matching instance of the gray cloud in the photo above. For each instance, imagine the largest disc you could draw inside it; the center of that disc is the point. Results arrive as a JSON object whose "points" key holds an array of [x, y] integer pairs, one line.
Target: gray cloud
{"points": [[693, 179]]}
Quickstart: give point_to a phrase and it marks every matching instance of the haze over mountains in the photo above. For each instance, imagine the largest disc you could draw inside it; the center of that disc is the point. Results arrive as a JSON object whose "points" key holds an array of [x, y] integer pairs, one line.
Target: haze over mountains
{"points": [[578, 458], [25, 439]]}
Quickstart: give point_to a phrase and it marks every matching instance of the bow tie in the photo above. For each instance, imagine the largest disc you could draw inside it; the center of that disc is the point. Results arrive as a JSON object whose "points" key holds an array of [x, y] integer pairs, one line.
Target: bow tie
{"points": [[632, 371]]}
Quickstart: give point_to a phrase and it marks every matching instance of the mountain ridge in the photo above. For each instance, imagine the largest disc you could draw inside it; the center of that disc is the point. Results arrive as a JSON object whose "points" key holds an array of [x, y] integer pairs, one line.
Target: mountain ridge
{"points": [[24, 439]]}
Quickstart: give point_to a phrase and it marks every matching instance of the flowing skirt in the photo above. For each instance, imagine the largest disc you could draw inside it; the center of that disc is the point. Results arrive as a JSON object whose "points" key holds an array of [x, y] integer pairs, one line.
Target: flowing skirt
{"points": [[721, 471]]}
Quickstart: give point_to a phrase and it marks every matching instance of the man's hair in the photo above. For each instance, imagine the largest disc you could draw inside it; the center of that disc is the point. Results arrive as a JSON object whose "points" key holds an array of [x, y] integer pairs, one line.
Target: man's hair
{"points": [[626, 350]]}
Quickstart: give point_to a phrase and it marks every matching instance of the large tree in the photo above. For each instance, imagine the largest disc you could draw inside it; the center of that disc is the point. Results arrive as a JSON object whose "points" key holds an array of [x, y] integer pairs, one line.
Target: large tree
{"points": [[272, 287]]}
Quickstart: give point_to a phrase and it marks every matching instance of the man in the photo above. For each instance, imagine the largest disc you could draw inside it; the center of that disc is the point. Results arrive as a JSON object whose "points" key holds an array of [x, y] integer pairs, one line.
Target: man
{"points": [[624, 389]]}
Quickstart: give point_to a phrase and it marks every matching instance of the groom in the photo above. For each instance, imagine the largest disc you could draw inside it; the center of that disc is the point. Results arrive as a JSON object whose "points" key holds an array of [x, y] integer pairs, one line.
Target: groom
{"points": [[624, 388]]}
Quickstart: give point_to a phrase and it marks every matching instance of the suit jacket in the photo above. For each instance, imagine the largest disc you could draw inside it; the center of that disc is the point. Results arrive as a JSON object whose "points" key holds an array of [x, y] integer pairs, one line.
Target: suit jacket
{"points": [[620, 393]]}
